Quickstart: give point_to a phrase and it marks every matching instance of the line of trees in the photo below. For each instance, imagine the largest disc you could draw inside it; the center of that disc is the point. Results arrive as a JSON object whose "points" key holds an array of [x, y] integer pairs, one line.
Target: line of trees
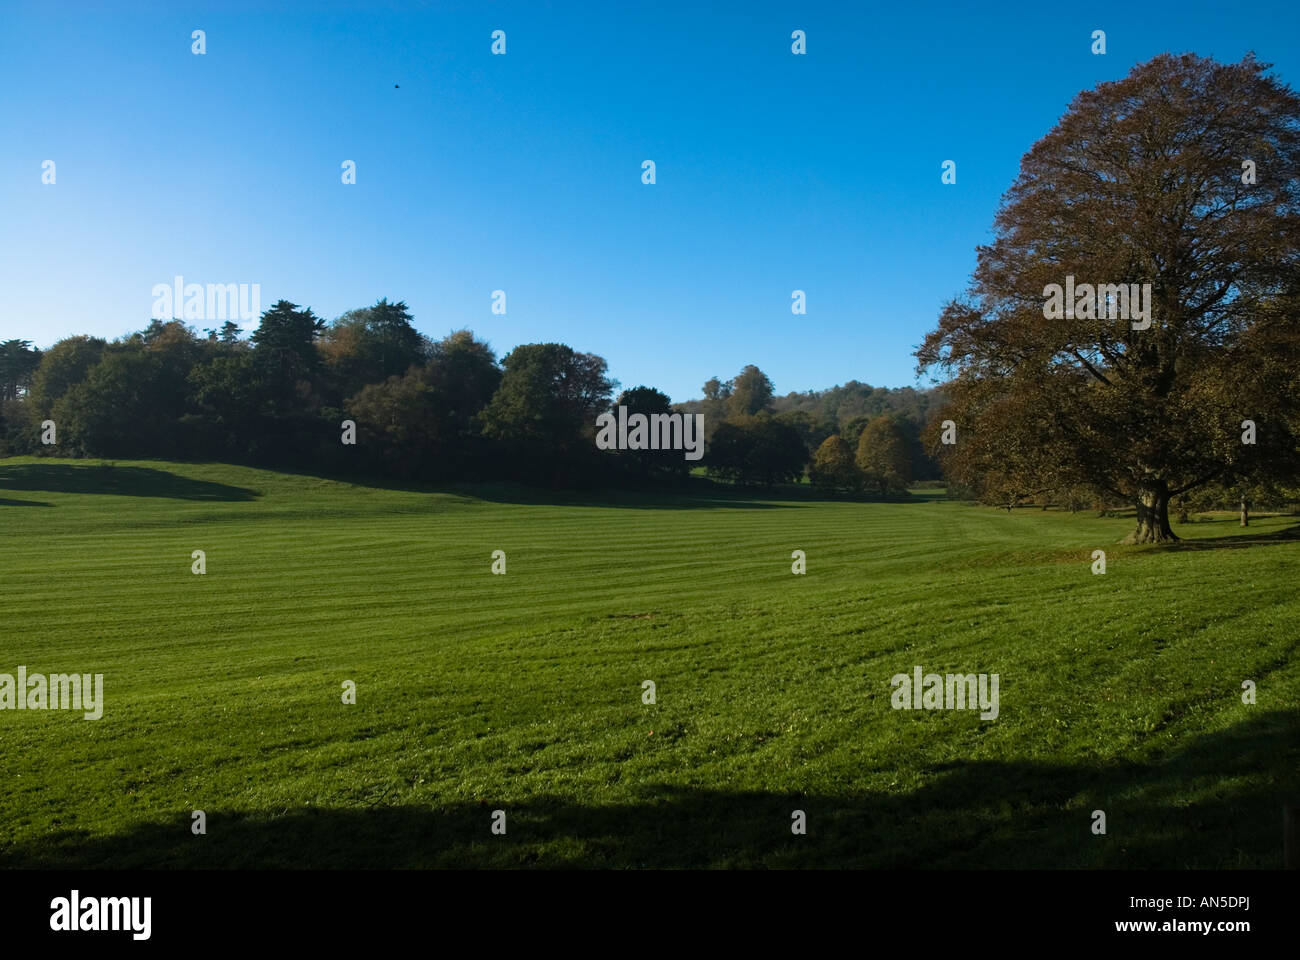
{"points": [[432, 410], [759, 439], [1182, 179]]}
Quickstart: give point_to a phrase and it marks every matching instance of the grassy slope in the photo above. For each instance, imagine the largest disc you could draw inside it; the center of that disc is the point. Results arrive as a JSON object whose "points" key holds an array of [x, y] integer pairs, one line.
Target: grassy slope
{"points": [[523, 692]]}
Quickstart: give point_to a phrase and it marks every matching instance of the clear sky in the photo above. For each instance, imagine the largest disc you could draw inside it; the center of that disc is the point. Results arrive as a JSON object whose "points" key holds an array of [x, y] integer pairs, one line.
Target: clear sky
{"points": [[522, 172]]}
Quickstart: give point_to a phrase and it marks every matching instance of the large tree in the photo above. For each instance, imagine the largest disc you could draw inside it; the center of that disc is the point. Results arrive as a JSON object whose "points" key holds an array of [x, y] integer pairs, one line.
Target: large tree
{"points": [[759, 451], [543, 413], [369, 345], [129, 405], [648, 402], [1185, 175], [425, 421], [230, 398], [751, 393], [62, 367], [134, 402], [883, 456], [286, 355], [833, 468]]}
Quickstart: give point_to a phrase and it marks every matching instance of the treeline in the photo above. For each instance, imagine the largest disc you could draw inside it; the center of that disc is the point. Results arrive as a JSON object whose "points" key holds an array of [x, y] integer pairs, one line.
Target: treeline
{"points": [[745, 415], [422, 409]]}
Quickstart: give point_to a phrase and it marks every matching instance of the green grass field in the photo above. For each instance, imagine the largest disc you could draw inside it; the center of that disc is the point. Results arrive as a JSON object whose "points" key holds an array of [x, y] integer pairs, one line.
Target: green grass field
{"points": [[523, 692]]}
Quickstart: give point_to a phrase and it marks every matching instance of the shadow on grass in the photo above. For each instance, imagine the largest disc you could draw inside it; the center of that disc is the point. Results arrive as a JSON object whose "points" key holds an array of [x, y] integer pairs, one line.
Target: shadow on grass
{"points": [[697, 493], [1236, 541], [690, 497], [1214, 804], [5, 502], [122, 481], [701, 494]]}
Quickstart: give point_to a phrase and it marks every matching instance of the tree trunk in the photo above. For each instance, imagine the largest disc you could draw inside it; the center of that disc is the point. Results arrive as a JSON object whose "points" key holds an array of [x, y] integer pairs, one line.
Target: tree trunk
{"points": [[1152, 515], [1245, 512]]}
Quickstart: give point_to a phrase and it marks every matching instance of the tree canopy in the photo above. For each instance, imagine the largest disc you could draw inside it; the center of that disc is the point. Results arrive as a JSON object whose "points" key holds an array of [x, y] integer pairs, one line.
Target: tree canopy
{"points": [[1184, 176]]}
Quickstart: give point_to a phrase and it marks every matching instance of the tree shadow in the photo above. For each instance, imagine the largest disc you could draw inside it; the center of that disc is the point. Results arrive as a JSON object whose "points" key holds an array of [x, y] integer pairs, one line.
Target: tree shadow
{"points": [[694, 493], [122, 481], [1215, 803], [1236, 541], [5, 502], [668, 498]]}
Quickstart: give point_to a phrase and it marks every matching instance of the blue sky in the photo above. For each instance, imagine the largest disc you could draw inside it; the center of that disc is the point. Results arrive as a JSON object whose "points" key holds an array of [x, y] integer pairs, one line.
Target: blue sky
{"points": [[522, 172]]}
